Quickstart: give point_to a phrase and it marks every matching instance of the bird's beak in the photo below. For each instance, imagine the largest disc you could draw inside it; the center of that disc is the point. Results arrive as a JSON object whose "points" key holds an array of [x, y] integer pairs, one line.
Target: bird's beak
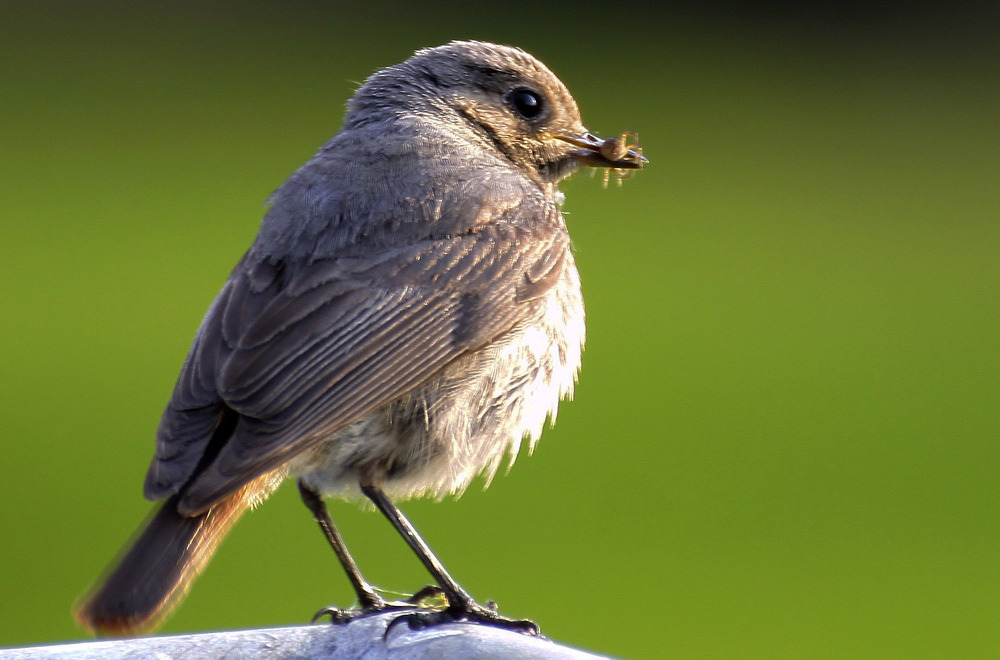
{"points": [[614, 152]]}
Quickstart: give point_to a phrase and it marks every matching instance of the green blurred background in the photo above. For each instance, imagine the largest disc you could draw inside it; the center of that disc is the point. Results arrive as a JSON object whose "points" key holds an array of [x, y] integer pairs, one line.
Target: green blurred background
{"points": [[785, 439]]}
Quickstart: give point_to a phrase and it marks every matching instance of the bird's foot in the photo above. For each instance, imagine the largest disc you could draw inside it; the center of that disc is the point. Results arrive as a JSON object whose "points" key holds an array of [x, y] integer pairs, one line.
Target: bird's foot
{"points": [[375, 604], [467, 611]]}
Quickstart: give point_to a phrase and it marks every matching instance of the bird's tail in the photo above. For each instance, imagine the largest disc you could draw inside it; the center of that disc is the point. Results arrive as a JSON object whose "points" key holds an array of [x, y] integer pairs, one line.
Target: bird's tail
{"points": [[156, 570]]}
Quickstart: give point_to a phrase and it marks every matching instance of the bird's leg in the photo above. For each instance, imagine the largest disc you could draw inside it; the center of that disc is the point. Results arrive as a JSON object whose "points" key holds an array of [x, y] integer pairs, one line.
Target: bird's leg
{"points": [[368, 600], [461, 606]]}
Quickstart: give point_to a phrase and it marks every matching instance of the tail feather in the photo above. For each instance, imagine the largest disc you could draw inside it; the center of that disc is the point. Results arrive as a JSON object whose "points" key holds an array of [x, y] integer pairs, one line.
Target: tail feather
{"points": [[155, 572]]}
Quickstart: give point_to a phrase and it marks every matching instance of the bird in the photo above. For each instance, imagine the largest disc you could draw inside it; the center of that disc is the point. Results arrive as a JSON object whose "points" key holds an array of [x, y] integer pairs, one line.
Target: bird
{"points": [[409, 313]]}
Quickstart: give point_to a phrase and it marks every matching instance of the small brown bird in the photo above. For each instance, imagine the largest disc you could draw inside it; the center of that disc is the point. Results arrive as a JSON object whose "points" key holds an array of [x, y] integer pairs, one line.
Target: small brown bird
{"points": [[408, 313]]}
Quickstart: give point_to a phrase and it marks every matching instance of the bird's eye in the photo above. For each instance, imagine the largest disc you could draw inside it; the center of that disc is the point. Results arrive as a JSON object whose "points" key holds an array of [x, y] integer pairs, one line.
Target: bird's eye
{"points": [[526, 103]]}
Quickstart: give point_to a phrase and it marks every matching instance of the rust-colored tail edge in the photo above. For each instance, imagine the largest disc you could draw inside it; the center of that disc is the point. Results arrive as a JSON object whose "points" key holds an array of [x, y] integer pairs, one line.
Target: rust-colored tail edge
{"points": [[155, 570]]}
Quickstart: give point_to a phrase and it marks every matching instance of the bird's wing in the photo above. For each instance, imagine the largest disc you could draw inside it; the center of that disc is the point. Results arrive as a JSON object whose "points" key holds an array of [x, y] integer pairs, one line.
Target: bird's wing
{"points": [[290, 354]]}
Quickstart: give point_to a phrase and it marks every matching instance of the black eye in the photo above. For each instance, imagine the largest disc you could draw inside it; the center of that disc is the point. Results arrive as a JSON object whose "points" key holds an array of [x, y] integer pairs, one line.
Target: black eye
{"points": [[526, 103]]}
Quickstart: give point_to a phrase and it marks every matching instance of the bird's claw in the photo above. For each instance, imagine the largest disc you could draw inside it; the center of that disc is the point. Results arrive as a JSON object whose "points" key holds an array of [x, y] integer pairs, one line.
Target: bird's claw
{"points": [[419, 611], [377, 605], [336, 614], [470, 612]]}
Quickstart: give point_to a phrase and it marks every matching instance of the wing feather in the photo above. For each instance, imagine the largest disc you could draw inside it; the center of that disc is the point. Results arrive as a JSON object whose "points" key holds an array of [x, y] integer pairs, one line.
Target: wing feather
{"points": [[301, 350]]}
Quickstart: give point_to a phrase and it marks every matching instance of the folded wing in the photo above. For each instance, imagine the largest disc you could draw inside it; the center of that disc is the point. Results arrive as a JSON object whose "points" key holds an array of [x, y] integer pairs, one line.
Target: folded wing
{"points": [[290, 353]]}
